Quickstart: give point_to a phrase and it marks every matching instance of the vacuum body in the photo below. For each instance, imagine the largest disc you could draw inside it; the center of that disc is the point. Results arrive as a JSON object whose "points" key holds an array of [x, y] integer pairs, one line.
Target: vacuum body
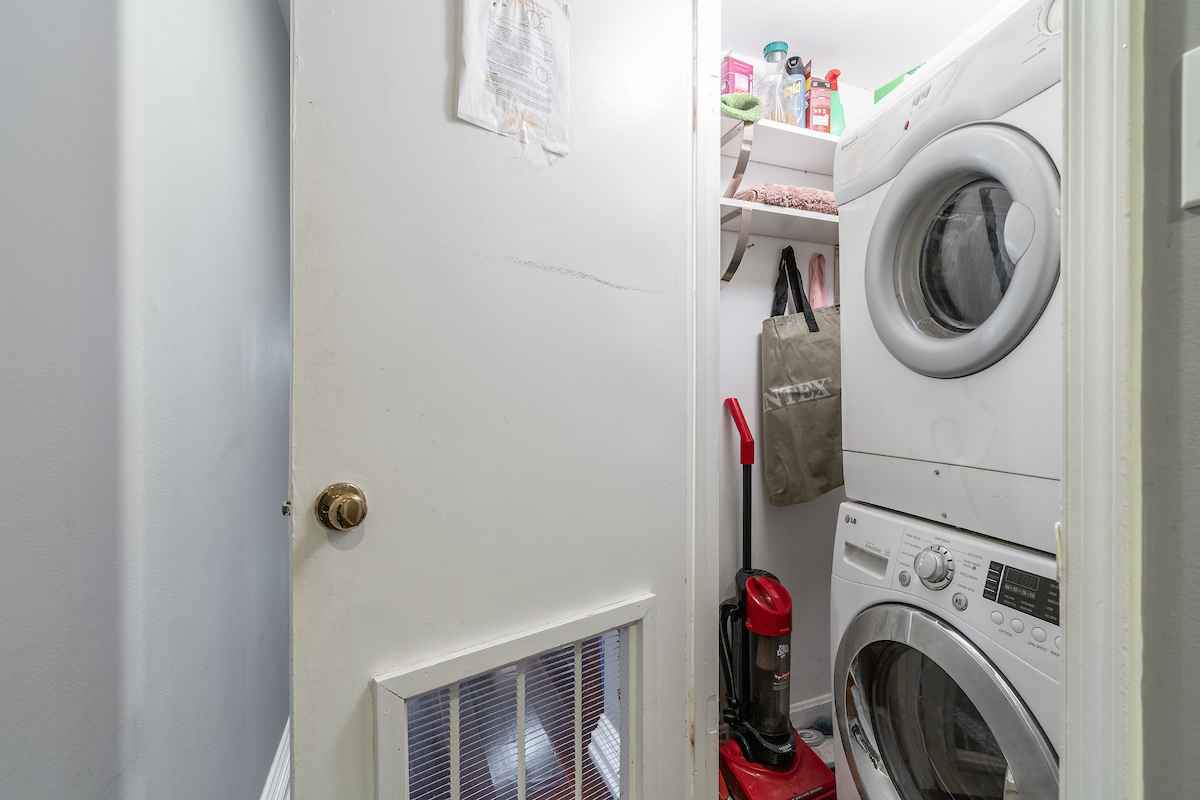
{"points": [[756, 643], [769, 638]]}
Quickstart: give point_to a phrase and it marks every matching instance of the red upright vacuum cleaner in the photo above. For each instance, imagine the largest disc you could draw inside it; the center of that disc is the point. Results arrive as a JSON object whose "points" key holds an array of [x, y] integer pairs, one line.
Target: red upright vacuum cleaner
{"points": [[763, 758]]}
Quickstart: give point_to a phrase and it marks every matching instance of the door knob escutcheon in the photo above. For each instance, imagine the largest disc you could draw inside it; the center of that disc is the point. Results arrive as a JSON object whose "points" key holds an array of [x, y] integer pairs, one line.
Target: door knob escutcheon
{"points": [[341, 506]]}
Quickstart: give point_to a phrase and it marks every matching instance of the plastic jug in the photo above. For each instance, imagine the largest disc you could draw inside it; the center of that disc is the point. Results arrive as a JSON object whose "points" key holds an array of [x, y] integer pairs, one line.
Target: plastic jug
{"points": [[769, 86]]}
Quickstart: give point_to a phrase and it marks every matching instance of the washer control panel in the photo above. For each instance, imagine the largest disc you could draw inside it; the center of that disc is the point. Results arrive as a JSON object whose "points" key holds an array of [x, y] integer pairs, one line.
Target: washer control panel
{"points": [[1022, 591], [1008, 593]]}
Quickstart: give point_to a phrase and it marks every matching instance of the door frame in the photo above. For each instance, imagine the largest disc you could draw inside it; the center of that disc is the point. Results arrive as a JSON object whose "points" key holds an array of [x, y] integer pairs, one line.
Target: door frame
{"points": [[1100, 538], [705, 402]]}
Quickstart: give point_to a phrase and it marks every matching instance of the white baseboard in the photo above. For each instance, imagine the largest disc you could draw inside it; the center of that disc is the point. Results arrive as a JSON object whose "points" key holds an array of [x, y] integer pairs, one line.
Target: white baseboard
{"points": [[279, 779], [806, 712]]}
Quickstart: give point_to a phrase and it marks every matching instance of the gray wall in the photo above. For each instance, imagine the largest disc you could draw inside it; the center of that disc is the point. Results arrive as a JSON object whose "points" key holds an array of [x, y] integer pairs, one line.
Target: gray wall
{"points": [[144, 398], [60, 542], [1171, 420]]}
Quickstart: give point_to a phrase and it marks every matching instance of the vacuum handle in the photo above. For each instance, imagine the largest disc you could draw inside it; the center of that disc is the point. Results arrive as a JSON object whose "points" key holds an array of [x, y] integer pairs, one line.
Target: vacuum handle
{"points": [[729, 610], [739, 419]]}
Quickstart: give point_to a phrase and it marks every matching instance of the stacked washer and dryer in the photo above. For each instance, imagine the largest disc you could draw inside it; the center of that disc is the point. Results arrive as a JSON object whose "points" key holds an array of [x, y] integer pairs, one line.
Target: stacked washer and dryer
{"points": [[945, 607]]}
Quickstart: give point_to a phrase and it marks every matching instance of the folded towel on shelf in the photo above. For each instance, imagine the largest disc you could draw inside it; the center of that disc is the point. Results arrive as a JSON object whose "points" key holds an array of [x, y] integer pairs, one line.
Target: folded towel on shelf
{"points": [[801, 197], [739, 105]]}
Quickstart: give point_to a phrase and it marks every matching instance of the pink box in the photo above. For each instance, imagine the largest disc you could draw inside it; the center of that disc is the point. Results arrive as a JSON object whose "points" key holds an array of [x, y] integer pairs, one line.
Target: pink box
{"points": [[736, 76]]}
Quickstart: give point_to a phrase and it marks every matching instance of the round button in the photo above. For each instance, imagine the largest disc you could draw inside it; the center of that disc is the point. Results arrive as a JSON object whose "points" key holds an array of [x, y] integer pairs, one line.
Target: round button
{"points": [[1058, 643], [935, 567], [931, 566], [1017, 625], [905, 578], [960, 601], [1038, 635], [997, 618]]}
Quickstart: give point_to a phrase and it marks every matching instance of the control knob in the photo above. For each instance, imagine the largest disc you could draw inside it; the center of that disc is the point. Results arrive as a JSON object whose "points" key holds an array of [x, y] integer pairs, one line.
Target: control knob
{"points": [[935, 567]]}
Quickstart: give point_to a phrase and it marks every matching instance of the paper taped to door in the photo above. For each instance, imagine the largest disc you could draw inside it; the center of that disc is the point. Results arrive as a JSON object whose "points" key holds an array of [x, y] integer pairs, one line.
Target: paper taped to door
{"points": [[514, 69]]}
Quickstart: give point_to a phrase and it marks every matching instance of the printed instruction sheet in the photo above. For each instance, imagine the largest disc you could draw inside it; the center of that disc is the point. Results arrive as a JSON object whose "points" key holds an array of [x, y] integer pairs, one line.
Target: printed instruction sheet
{"points": [[514, 69]]}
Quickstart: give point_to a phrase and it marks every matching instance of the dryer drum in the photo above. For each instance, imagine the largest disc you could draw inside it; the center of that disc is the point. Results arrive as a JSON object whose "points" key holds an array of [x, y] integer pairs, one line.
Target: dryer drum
{"points": [[964, 253], [923, 713]]}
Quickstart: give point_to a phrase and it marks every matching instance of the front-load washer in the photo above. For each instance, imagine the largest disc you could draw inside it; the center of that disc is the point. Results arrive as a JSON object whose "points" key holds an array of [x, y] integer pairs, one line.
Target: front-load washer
{"points": [[949, 211], [945, 650]]}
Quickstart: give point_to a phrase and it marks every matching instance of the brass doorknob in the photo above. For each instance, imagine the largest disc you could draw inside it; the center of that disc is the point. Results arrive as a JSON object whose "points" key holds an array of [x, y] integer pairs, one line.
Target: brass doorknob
{"points": [[341, 507]]}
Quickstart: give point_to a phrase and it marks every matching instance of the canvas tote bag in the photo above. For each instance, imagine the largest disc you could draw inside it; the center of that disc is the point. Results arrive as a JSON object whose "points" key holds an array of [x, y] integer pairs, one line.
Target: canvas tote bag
{"points": [[802, 394]]}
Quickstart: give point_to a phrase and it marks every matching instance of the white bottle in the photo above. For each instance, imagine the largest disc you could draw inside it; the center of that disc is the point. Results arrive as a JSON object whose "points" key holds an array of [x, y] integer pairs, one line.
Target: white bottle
{"points": [[769, 87]]}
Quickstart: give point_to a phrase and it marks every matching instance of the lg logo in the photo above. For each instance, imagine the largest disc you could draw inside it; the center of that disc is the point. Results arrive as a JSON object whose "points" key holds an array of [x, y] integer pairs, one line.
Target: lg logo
{"points": [[851, 520]]}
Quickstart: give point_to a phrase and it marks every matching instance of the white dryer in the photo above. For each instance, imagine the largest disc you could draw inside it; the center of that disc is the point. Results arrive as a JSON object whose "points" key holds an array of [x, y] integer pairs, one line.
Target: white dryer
{"points": [[945, 655], [949, 209]]}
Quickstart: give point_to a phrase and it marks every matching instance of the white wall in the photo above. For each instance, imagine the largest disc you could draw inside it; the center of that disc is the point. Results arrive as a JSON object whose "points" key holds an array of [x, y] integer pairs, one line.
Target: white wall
{"points": [[794, 543], [144, 407], [1171, 420], [207, 368]]}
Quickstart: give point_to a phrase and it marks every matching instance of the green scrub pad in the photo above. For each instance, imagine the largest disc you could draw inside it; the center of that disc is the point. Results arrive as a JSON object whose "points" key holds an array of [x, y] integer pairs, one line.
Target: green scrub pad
{"points": [[739, 105]]}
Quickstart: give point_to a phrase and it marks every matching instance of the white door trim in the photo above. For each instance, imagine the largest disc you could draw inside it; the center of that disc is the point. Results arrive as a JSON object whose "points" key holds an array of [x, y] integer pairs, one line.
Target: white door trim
{"points": [[279, 778], [1100, 551], [705, 405], [417, 679]]}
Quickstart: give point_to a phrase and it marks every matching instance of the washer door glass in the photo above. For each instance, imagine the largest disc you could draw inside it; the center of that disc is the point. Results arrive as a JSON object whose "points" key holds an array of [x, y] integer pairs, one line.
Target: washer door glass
{"points": [[924, 715], [964, 269], [929, 728]]}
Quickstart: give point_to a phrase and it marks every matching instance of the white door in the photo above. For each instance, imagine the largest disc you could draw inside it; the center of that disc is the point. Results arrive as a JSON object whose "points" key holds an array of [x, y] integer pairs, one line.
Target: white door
{"points": [[502, 356]]}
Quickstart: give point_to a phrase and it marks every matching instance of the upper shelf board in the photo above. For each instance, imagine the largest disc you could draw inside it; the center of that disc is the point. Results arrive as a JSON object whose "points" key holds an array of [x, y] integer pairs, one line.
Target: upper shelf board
{"points": [[782, 223], [784, 146]]}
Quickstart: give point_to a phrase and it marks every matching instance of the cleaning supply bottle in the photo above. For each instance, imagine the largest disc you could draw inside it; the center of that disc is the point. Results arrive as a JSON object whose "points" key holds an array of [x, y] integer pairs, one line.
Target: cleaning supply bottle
{"points": [[793, 91], [837, 115], [769, 86]]}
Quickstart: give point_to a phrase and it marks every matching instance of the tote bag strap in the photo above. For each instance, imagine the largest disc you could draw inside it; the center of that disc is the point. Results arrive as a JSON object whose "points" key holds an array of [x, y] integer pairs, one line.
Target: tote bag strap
{"points": [[788, 274]]}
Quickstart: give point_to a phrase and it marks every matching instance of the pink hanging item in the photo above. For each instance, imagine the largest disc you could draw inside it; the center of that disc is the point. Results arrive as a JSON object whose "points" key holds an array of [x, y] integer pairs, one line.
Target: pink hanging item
{"points": [[816, 281]]}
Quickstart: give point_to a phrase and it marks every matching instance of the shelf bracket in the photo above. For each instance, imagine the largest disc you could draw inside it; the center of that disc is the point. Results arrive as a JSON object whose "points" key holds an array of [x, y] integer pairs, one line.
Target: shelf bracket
{"points": [[743, 240], [747, 131]]}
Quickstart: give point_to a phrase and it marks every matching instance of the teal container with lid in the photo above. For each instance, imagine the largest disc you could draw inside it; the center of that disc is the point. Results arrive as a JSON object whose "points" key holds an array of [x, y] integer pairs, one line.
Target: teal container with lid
{"points": [[769, 85], [775, 51]]}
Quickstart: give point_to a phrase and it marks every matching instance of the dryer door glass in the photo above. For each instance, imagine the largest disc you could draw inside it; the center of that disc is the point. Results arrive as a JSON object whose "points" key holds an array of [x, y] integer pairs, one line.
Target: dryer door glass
{"points": [[929, 729], [964, 268], [963, 253]]}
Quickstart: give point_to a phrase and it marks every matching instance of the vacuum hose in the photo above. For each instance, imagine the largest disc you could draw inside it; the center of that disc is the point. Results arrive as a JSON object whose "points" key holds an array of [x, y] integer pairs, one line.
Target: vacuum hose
{"points": [[729, 613]]}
